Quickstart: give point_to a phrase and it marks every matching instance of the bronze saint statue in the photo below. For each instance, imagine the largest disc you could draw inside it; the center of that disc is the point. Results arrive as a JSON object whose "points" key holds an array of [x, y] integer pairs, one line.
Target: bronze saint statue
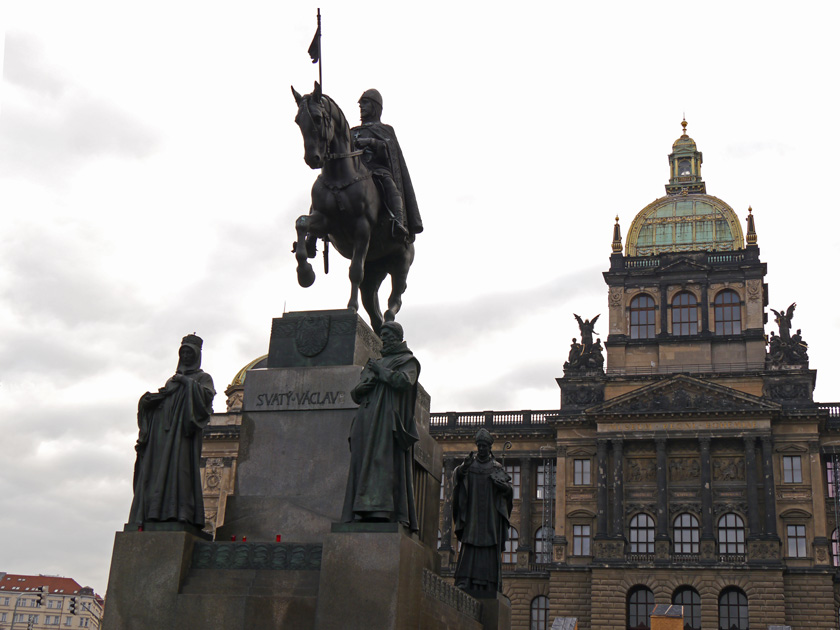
{"points": [[383, 156], [167, 479], [379, 484], [349, 210], [481, 504]]}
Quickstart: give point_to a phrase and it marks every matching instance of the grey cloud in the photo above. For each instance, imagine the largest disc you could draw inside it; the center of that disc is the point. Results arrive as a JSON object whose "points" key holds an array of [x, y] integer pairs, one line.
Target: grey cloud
{"points": [[54, 123], [26, 66], [503, 387], [447, 325]]}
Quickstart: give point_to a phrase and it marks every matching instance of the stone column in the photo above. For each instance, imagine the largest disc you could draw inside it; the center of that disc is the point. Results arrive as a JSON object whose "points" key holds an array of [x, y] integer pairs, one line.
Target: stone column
{"points": [[821, 542], [601, 528], [560, 481], [446, 531], [618, 488], [523, 551], [704, 308], [752, 486], [707, 527], [769, 487], [662, 544], [663, 309]]}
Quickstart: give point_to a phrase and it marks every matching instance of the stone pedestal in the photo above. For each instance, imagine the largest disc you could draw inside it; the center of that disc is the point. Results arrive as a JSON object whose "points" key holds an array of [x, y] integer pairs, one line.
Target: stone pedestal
{"points": [[293, 451], [371, 577], [495, 612], [147, 571]]}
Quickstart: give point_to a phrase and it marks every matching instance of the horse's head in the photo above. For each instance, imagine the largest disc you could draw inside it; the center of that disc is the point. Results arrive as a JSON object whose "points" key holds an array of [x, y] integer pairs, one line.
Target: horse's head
{"points": [[323, 126]]}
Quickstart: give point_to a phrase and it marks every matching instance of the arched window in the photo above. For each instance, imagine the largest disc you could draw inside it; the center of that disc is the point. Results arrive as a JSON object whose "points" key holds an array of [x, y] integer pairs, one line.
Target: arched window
{"points": [[440, 539], [733, 613], [689, 599], [686, 534], [641, 534], [639, 607], [731, 534], [835, 548], [642, 317], [684, 314], [542, 547], [727, 313], [509, 554], [539, 613]]}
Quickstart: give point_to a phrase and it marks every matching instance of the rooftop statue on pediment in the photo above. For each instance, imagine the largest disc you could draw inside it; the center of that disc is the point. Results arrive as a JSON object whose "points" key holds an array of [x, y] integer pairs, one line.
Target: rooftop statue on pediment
{"points": [[786, 349]]}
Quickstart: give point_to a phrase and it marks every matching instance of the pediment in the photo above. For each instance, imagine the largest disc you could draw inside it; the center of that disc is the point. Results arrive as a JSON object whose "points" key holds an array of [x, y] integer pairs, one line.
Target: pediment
{"points": [[682, 394], [685, 264], [791, 448]]}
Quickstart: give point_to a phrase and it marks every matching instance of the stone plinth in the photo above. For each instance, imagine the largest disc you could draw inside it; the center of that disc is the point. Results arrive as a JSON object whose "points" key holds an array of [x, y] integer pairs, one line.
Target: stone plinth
{"points": [[371, 577], [495, 612], [147, 571], [296, 416]]}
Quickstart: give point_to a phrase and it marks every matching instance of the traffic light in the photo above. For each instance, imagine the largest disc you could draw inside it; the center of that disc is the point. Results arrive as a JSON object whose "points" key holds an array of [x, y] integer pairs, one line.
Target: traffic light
{"points": [[40, 600], [73, 605]]}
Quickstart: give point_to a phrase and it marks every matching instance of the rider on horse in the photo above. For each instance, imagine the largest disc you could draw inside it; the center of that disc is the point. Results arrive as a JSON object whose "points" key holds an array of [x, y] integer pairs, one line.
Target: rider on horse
{"points": [[384, 158]]}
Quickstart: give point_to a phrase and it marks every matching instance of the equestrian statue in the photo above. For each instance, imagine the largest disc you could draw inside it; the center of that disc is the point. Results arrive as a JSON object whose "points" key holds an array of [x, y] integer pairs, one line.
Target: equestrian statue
{"points": [[362, 202]]}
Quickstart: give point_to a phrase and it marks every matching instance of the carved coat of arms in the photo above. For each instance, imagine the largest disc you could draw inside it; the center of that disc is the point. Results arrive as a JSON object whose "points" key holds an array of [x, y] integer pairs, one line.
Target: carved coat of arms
{"points": [[312, 334]]}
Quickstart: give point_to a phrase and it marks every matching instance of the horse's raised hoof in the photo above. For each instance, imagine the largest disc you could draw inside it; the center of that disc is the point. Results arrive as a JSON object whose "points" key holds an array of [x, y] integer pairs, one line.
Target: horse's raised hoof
{"points": [[306, 275]]}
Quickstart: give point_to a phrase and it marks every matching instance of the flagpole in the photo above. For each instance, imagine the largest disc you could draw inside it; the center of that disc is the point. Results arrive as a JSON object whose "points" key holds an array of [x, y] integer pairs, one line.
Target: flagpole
{"points": [[320, 50]]}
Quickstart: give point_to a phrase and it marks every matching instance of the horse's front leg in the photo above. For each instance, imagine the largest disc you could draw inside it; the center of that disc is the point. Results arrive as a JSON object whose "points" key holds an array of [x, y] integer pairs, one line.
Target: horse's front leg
{"points": [[361, 242], [305, 273]]}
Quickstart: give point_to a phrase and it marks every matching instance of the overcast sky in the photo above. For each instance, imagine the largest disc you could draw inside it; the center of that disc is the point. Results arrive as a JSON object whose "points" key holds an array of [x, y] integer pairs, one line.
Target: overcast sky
{"points": [[151, 173]]}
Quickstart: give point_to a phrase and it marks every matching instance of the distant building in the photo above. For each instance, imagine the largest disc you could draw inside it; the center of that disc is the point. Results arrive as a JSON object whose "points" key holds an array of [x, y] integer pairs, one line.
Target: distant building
{"points": [[43, 602], [694, 468]]}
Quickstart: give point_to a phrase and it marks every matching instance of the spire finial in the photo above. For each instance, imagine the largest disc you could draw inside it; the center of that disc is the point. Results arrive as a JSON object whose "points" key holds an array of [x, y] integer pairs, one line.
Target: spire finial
{"points": [[752, 237], [616, 244], [684, 124]]}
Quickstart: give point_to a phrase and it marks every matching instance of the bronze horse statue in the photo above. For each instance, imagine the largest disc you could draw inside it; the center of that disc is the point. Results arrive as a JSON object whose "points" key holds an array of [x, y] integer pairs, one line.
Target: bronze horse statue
{"points": [[347, 210]]}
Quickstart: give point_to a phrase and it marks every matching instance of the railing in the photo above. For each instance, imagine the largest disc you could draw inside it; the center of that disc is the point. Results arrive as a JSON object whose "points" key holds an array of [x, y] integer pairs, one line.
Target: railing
{"points": [[685, 558], [688, 368], [475, 419], [640, 557], [732, 558], [833, 409], [640, 263], [726, 258], [712, 258]]}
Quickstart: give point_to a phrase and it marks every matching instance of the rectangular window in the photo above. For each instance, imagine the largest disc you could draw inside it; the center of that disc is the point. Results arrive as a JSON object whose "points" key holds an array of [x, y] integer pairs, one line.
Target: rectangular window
{"points": [[4, 601], [515, 474], [792, 467], [829, 476], [580, 540], [68, 621], [442, 483], [2, 616], [796, 541], [583, 472]]}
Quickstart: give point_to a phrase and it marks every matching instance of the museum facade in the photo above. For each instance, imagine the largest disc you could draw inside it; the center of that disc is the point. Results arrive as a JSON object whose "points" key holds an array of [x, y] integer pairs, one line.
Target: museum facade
{"points": [[696, 469]]}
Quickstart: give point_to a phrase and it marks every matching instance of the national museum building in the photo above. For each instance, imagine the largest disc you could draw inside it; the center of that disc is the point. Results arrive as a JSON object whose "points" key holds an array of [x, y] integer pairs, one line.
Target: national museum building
{"points": [[690, 465]]}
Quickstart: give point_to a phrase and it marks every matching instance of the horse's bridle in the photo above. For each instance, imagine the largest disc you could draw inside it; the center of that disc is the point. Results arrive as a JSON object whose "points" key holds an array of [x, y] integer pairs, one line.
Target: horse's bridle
{"points": [[328, 121]]}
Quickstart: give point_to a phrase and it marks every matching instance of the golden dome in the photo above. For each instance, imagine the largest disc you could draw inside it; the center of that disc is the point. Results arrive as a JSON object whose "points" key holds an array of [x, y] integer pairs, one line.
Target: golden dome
{"points": [[681, 223]]}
